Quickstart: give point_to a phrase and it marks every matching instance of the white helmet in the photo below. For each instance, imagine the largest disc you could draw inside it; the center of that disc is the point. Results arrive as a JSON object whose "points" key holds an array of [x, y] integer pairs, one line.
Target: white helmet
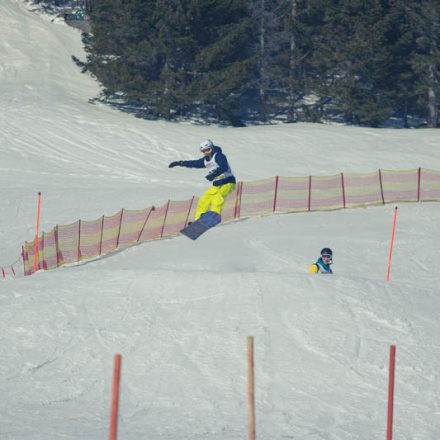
{"points": [[206, 144]]}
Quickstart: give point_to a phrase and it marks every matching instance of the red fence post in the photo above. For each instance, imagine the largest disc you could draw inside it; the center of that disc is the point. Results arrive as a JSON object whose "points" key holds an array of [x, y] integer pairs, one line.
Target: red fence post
{"points": [[165, 219], [22, 257], [3, 272], [238, 200], [240, 197], [381, 186], [145, 222], [102, 234], [419, 174], [391, 393], [29, 271], [310, 194], [392, 243], [189, 211], [42, 252], [276, 194], [78, 258], [115, 397], [251, 387], [57, 245], [120, 225], [36, 232], [343, 189]]}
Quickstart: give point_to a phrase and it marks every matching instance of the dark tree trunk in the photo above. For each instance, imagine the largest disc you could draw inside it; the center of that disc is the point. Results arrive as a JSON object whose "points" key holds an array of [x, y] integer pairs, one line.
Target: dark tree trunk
{"points": [[291, 114], [263, 98], [432, 109]]}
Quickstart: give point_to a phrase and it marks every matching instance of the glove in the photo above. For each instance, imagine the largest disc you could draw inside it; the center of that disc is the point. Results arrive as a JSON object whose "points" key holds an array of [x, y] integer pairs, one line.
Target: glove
{"points": [[210, 177], [177, 163]]}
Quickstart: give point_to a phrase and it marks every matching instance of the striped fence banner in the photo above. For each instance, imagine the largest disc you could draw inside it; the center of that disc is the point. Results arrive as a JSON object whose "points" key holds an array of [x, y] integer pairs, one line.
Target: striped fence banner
{"points": [[85, 240]]}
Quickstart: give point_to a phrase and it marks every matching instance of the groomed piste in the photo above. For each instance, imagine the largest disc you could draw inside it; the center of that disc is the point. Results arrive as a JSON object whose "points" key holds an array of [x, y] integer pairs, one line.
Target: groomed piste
{"points": [[180, 312]]}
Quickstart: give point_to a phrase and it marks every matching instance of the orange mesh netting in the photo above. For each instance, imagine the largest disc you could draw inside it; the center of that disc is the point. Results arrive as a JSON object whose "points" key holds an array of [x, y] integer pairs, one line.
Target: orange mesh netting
{"points": [[67, 244]]}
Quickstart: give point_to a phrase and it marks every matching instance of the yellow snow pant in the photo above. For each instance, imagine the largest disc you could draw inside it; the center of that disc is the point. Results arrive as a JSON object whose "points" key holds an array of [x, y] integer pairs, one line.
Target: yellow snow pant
{"points": [[214, 199]]}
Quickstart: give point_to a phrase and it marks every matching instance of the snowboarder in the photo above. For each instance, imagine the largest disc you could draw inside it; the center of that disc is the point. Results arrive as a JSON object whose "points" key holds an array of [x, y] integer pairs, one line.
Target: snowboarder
{"points": [[323, 263], [219, 173]]}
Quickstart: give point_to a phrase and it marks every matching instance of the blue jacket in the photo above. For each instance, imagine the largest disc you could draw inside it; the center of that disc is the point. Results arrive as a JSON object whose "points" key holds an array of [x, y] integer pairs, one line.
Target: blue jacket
{"points": [[222, 166]]}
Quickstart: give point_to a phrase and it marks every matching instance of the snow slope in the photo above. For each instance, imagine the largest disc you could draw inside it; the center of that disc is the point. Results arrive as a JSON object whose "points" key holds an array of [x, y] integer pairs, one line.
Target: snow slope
{"points": [[179, 311]]}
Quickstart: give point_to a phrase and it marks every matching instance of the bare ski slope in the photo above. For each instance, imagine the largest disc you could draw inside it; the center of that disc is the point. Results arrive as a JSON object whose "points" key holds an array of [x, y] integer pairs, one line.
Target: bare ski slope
{"points": [[179, 311]]}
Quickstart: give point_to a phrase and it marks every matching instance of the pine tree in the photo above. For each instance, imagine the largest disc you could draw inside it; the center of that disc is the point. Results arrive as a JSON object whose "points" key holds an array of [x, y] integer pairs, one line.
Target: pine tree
{"points": [[359, 61], [304, 23], [224, 60], [271, 51], [176, 57], [350, 58], [401, 45], [118, 29]]}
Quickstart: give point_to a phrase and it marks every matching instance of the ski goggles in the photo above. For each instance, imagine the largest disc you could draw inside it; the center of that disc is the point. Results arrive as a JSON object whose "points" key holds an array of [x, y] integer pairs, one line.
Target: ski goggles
{"points": [[326, 256], [206, 150]]}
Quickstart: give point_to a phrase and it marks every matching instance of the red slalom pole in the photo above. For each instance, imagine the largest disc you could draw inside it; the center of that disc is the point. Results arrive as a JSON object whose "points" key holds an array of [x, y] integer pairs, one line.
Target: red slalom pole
{"points": [[251, 387], [392, 243], [391, 392], [36, 233], [115, 397]]}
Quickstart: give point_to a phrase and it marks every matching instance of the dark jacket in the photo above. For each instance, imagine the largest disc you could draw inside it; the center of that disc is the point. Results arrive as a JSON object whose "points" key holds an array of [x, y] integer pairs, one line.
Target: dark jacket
{"points": [[221, 168]]}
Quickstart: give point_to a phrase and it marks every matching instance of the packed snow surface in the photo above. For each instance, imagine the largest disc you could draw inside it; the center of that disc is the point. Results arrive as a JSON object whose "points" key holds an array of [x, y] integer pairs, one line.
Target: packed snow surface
{"points": [[179, 311]]}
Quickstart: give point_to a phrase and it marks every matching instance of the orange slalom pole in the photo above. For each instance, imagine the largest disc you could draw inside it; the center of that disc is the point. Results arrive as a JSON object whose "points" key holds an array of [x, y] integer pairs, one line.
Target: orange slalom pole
{"points": [[392, 243], [391, 393], [36, 233], [251, 387], [115, 398]]}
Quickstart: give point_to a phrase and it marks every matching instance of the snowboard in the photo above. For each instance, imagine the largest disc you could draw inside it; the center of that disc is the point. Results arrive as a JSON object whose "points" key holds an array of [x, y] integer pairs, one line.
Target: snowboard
{"points": [[207, 221]]}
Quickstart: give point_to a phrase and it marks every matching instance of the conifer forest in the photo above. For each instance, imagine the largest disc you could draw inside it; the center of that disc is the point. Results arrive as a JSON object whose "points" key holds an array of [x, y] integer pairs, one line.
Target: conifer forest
{"points": [[239, 62]]}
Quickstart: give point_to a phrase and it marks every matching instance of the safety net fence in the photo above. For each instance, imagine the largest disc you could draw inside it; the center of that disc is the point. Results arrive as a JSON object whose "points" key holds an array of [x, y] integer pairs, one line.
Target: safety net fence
{"points": [[84, 240]]}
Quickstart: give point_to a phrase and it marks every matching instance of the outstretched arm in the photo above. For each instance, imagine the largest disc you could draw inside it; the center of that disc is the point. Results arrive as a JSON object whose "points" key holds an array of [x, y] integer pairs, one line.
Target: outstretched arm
{"points": [[198, 163]]}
